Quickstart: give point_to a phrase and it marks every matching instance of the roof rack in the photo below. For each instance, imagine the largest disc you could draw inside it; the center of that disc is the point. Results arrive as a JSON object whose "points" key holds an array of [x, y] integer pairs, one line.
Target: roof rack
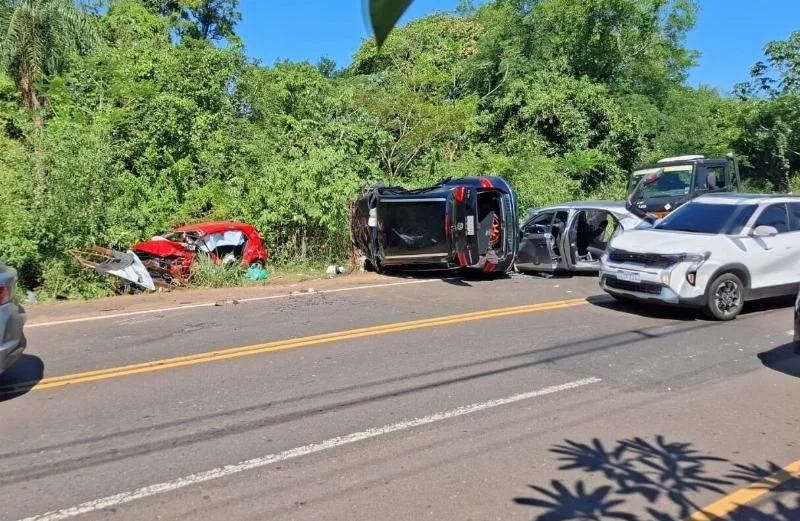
{"points": [[681, 158]]}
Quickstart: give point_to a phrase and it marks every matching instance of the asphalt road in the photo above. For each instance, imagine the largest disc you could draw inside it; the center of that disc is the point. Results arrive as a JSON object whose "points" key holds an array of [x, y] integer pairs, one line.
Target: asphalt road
{"points": [[522, 398]]}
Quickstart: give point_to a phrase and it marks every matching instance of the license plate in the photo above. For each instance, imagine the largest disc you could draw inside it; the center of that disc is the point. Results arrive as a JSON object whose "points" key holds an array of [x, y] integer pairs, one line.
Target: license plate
{"points": [[470, 225], [629, 276]]}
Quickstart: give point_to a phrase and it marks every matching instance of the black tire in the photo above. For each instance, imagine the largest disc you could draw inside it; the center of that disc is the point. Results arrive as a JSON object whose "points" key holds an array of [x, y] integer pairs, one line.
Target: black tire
{"points": [[725, 297]]}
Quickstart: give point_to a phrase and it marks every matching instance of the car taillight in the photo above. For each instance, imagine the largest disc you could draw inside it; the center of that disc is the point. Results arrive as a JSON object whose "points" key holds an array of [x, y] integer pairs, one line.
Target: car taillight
{"points": [[485, 183], [460, 193], [5, 295]]}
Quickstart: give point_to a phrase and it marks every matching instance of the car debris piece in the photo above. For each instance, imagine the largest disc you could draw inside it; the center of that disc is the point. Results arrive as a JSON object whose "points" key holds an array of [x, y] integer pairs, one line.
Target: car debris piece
{"points": [[467, 224], [256, 273], [335, 269], [125, 265]]}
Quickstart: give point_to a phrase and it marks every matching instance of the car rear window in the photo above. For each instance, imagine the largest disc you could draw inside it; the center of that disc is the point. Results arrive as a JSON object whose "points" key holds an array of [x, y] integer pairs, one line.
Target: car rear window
{"points": [[696, 217]]}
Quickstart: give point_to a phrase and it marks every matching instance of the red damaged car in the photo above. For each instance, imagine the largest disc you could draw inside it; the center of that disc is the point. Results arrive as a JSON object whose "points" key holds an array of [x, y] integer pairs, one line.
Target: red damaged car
{"points": [[169, 257]]}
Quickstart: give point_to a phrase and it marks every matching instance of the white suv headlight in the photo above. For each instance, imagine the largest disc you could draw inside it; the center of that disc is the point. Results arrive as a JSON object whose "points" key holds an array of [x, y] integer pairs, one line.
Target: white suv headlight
{"points": [[697, 260]]}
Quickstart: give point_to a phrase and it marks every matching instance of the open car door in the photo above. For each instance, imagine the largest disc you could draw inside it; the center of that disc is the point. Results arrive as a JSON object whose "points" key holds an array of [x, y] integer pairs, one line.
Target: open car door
{"points": [[537, 249]]}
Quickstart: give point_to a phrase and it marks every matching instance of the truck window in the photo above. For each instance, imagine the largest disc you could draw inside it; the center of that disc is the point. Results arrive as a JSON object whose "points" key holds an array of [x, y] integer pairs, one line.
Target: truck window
{"points": [[712, 178]]}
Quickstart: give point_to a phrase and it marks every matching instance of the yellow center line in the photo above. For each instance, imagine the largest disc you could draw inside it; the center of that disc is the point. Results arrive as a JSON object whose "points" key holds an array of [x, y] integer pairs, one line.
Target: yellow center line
{"points": [[292, 343], [725, 506]]}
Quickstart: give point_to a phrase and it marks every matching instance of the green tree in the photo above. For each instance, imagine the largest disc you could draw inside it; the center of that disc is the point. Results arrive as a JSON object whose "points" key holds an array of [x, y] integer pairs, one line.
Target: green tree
{"points": [[770, 118], [36, 40]]}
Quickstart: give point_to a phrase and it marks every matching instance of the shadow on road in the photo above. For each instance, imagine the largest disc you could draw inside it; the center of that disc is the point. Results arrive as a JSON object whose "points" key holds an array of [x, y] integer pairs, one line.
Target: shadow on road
{"points": [[664, 311], [782, 359], [448, 277], [662, 474], [21, 377], [644, 309]]}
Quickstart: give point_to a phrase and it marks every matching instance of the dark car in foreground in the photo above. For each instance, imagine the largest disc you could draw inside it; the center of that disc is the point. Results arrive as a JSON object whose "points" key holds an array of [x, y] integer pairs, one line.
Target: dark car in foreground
{"points": [[467, 224], [12, 319]]}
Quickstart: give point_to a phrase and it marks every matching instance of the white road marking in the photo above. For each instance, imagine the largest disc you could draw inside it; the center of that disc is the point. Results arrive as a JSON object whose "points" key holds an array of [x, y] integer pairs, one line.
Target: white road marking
{"points": [[212, 304], [228, 470]]}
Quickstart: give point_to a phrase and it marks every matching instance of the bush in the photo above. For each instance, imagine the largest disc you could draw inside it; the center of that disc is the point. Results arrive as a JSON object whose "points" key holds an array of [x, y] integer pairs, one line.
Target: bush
{"points": [[208, 274]]}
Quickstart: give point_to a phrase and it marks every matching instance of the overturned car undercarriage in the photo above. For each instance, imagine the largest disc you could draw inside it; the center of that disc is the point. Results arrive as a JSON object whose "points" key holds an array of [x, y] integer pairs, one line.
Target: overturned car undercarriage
{"points": [[466, 224]]}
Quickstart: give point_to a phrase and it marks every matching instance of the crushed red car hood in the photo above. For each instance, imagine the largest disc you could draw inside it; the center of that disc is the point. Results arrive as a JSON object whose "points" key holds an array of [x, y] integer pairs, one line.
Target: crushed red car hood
{"points": [[160, 248]]}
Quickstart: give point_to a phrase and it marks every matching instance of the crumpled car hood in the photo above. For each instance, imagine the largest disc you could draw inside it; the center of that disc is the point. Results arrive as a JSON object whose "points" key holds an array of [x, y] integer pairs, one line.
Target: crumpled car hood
{"points": [[160, 248]]}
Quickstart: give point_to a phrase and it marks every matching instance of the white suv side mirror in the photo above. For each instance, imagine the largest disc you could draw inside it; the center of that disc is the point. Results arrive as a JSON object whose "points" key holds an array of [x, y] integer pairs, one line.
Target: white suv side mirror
{"points": [[765, 231]]}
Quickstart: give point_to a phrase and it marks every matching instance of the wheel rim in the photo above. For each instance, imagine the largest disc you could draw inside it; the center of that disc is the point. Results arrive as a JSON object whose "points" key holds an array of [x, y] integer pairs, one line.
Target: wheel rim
{"points": [[728, 297]]}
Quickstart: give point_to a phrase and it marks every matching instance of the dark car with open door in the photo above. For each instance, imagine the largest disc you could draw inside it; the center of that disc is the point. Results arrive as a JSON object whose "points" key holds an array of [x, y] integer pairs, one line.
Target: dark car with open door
{"points": [[571, 237], [467, 224]]}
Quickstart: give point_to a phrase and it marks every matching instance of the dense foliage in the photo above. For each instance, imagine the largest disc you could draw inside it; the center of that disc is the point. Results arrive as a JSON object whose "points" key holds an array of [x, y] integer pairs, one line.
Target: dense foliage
{"points": [[126, 117]]}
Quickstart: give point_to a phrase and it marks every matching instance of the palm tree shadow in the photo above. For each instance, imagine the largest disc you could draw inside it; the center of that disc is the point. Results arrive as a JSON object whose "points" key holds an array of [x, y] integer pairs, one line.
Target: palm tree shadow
{"points": [[666, 475], [780, 511], [564, 505]]}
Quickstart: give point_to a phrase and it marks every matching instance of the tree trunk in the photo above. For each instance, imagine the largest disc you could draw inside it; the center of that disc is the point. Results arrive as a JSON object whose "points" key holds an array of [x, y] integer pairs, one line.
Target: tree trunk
{"points": [[303, 245], [31, 99]]}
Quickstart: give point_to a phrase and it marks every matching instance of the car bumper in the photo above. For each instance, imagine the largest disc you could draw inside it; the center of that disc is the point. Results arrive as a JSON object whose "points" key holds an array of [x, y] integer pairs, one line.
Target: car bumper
{"points": [[651, 286], [12, 338]]}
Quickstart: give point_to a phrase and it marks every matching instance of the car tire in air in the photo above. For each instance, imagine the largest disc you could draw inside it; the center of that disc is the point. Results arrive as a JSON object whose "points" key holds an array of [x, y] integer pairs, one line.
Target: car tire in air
{"points": [[725, 297]]}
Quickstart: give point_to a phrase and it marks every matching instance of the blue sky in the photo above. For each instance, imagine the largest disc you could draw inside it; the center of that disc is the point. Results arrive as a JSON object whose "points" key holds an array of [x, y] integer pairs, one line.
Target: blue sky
{"points": [[730, 34]]}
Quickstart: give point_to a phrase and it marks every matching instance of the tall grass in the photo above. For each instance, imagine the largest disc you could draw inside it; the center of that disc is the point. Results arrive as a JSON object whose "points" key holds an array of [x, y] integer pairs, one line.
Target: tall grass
{"points": [[207, 274]]}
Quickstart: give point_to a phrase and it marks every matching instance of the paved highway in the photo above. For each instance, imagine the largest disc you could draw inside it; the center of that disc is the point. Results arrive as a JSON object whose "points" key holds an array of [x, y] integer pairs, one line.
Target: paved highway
{"points": [[515, 399]]}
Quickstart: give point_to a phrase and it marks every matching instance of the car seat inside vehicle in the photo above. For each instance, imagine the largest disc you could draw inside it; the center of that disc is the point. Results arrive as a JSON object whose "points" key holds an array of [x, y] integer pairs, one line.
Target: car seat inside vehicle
{"points": [[227, 246], [593, 230]]}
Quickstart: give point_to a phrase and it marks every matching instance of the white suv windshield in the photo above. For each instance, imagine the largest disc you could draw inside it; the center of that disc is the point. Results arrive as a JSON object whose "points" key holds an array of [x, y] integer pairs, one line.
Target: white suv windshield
{"points": [[699, 217]]}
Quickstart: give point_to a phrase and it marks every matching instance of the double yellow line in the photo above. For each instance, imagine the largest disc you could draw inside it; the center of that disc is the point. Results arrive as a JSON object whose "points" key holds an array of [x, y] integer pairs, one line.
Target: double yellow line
{"points": [[280, 345], [719, 510]]}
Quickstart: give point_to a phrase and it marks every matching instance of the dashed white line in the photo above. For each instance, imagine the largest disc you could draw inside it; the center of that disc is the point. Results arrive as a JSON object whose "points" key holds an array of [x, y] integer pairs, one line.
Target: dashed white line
{"points": [[211, 304], [228, 470]]}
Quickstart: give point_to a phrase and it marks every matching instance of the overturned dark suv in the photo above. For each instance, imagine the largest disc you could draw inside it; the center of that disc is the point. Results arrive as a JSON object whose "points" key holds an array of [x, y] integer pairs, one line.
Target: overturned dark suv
{"points": [[467, 224]]}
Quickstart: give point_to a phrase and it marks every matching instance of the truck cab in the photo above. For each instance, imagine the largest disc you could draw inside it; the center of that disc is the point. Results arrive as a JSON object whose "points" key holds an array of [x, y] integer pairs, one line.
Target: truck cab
{"points": [[656, 190]]}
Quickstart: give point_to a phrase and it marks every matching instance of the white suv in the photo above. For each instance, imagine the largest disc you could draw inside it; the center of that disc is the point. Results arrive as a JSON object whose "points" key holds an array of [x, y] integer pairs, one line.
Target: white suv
{"points": [[714, 252]]}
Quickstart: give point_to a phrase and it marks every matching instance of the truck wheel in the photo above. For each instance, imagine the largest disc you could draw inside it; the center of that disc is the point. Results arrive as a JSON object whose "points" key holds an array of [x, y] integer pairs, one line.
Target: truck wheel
{"points": [[725, 297]]}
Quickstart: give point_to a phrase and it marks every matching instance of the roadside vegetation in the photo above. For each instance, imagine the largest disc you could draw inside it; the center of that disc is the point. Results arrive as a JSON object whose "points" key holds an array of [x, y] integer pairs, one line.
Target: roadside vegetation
{"points": [[125, 117]]}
